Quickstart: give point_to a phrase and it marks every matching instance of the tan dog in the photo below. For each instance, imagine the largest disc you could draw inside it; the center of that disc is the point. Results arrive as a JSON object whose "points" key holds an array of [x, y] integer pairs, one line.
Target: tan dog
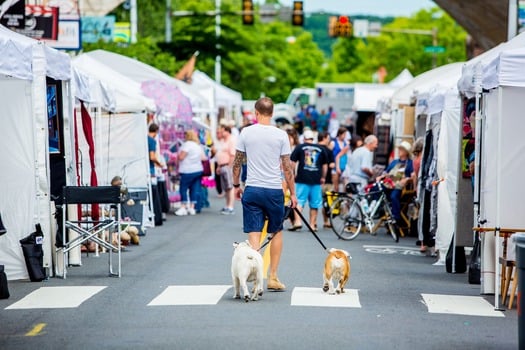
{"points": [[336, 267]]}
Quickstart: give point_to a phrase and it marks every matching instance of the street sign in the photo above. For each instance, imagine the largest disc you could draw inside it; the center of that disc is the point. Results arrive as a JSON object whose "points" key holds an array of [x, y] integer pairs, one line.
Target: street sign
{"points": [[434, 49]]}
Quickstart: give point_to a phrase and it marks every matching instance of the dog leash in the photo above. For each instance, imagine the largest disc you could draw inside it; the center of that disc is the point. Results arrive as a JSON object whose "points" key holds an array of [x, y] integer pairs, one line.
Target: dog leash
{"points": [[287, 211], [310, 228]]}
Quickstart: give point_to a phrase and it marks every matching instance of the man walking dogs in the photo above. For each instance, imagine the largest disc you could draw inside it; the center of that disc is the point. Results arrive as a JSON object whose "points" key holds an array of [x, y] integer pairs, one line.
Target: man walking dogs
{"points": [[267, 152]]}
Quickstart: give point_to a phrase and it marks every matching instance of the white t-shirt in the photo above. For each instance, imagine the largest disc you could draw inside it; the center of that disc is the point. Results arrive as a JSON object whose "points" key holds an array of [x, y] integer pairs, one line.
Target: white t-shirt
{"points": [[360, 158], [264, 145], [192, 162]]}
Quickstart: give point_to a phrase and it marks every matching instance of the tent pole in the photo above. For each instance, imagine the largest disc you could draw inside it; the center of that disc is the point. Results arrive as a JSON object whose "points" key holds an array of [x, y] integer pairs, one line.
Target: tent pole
{"points": [[498, 196]]}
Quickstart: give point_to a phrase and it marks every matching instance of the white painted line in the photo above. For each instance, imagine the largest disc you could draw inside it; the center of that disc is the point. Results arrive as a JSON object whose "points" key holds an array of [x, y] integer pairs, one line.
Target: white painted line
{"points": [[396, 247], [56, 297], [190, 295], [459, 305], [303, 296]]}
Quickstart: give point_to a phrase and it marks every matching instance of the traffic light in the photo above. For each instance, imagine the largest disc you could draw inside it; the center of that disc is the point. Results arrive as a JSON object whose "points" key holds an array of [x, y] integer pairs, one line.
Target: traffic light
{"points": [[339, 26], [247, 12], [297, 14]]}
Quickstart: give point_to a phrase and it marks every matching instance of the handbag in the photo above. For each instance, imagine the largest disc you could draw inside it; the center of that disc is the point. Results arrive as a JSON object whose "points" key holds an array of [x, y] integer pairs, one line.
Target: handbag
{"points": [[206, 168], [474, 268]]}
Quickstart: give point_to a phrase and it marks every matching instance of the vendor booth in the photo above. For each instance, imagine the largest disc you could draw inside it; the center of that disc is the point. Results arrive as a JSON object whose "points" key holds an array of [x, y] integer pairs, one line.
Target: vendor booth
{"points": [[34, 131], [494, 79], [440, 167], [141, 72], [501, 159], [117, 135]]}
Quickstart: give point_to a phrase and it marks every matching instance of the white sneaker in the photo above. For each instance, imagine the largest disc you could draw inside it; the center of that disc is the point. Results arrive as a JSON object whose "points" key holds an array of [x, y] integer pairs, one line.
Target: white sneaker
{"points": [[191, 211], [227, 211], [181, 211]]}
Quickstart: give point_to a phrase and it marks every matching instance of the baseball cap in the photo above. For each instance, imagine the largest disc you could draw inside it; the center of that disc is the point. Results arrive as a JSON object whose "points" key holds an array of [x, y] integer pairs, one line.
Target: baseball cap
{"points": [[308, 135]]}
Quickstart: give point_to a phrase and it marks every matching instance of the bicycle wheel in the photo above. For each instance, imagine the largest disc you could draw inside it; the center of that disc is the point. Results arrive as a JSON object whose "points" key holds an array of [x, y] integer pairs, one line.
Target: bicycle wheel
{"points": [[390, 224], [346, 218]]}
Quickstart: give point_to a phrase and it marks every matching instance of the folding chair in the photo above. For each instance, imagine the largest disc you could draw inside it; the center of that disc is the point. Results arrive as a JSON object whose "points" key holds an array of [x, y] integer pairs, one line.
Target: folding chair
{"points": [[92, 230]]}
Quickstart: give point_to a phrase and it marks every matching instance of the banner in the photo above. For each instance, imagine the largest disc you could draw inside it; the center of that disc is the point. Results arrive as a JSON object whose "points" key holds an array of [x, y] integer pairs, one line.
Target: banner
{"points": [[95, 29], [14, 16], [122, 32], [41, 22], [68, 9]]}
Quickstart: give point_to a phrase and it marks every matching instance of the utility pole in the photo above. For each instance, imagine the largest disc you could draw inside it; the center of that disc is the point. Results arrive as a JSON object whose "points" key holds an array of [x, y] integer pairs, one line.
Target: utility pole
{"points": [[512, 25], [434, 43], [133, 20], [168, 21], [217, 38]]}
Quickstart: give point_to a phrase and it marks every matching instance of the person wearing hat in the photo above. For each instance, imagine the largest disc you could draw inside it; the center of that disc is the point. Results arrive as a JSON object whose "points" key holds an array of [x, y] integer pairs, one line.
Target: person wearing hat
{"points": [[400, 171], [312, 167]]}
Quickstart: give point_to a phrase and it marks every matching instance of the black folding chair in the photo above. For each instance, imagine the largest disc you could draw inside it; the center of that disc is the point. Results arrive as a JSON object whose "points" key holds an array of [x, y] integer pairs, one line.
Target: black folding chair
{"points": [[91, 230]]}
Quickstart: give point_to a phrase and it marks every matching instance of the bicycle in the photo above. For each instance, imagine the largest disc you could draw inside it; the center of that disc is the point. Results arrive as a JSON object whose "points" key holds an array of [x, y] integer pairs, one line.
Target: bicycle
{"points": [[352, 210]]}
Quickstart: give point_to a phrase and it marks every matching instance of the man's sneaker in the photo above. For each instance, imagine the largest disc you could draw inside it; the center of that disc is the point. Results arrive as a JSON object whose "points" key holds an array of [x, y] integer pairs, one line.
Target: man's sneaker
{"points": [[191, 211], [227, 211], [181, 211], [275, 284]]}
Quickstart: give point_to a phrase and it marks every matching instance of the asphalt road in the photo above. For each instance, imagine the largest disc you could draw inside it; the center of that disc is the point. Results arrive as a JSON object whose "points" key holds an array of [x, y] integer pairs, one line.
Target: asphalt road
{"points": [[196, 251]]}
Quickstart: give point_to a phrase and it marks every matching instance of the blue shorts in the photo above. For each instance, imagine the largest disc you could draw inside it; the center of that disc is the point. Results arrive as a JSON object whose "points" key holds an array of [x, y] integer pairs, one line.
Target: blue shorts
{"points": [[259, 204], [312, 194]]}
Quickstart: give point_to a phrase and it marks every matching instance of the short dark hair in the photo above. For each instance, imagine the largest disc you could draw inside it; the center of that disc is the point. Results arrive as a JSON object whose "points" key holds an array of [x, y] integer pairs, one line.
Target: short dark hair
{"points": [[264, 105], [321, 135], [226, 128], [153, 127]]}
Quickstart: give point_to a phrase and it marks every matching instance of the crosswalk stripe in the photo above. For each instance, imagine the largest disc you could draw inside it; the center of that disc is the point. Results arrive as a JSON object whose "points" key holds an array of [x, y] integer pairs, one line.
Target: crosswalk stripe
{"points": [[459, 305], [303, 296], [56, 297], [190, 295]]}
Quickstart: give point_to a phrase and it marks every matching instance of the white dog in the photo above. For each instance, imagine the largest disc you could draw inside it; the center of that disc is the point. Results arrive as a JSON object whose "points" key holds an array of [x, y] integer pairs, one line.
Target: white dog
{"points": [[247, 266]]}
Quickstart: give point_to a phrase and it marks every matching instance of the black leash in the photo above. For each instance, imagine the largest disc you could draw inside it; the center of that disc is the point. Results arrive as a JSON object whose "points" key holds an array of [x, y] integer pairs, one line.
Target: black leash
{"points": [[286, 214], [310, 228], [287, 211]]}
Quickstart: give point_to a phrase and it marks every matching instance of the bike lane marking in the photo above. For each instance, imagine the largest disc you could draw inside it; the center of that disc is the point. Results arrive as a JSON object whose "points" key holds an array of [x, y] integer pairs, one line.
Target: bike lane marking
{"points": [[391, 249]]}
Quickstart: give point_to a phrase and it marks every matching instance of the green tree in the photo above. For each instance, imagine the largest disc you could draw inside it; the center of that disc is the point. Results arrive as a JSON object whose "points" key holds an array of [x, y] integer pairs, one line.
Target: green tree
{"points": [[396, 51]]}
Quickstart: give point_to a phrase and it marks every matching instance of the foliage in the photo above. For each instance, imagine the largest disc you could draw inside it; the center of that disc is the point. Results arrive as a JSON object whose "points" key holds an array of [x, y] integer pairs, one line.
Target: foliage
{"points": [[396, 51], [272, 58]]}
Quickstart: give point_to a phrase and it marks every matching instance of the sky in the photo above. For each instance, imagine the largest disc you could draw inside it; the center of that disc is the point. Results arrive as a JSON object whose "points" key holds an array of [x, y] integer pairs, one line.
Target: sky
{"points": [[366, 7]]}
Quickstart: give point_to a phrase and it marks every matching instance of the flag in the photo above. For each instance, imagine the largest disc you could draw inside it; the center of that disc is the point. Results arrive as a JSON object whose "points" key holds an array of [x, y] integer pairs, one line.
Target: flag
{"points": [[186, 71]]}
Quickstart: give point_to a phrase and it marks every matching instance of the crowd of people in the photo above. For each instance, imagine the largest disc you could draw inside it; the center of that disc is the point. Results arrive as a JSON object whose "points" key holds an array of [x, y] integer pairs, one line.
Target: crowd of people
{"points": [[263, 165]]}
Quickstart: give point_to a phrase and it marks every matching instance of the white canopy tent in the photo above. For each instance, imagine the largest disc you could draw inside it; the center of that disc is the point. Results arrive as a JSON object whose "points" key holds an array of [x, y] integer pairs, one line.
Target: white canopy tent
{"points": [[500, 150], [367, 96], [223, 96], [26, 184], [443, 102], [120, 137], [467, 83], [424, 82], [401, 79], [141, 72]]}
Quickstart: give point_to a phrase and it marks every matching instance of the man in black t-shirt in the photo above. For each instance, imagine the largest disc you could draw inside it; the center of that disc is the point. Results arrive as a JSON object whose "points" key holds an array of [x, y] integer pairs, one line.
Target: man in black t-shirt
{"points": [[312, 168]]}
